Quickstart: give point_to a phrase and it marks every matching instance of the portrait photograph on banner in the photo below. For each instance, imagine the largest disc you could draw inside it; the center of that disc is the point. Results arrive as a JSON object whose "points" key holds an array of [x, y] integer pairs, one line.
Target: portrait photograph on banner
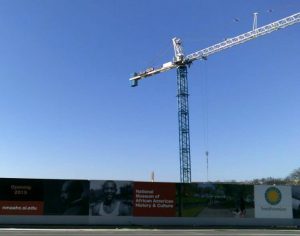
{"points": [[66, 197], [110, 198]]}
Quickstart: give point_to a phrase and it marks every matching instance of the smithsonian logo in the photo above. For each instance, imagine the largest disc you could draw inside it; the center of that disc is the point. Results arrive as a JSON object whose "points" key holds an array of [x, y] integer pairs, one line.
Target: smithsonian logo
{"points": [[273, 195]]}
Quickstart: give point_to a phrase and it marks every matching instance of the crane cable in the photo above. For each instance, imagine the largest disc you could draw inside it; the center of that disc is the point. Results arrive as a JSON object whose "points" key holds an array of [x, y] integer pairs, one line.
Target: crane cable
{"points": [[155, 61]]}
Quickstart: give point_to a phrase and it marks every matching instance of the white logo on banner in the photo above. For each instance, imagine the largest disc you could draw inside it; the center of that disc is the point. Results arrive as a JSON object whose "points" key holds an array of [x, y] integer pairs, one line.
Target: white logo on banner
{"points": [[273, 201]]}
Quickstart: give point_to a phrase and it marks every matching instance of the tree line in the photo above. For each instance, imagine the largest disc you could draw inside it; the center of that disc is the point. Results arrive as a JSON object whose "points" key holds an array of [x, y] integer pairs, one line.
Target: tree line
{"points": [[292, 179]]}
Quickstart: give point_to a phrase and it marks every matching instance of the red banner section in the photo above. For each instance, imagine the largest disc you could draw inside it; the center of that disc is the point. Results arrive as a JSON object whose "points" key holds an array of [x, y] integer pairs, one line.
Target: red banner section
{"points": [[21, 208], [154, 199]]}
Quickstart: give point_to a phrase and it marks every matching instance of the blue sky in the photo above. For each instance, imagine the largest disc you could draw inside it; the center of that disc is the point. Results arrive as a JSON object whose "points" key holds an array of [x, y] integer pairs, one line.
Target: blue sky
{"points": [[67, 110]]}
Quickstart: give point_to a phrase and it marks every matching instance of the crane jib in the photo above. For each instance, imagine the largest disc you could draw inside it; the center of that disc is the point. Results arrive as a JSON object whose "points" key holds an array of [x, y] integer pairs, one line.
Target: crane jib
{"points": [[204, 53], [230, 42]]}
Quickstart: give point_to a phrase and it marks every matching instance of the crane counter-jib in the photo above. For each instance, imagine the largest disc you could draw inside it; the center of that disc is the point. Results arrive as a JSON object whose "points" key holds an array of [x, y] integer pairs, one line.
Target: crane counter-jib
{"points": [[151, 71]]}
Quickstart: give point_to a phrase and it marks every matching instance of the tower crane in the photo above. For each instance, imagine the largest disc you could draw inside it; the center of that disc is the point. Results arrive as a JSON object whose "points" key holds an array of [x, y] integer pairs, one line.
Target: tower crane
{"points": [[182, 61]]}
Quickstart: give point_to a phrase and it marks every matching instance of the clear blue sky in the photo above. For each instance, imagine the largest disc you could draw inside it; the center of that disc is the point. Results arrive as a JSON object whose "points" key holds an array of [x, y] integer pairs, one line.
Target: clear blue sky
{"points": [[67, 110]]}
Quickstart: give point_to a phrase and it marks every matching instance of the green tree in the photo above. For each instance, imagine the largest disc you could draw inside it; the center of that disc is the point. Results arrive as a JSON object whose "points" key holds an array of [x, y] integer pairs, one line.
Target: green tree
{"points": [[270, 181], [294, 177]]}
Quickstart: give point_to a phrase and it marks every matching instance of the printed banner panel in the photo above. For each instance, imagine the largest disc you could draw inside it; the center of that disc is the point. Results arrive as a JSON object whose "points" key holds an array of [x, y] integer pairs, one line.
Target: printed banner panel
{"points": [[21, 197], [154, 199], [111, 198], [66, 197], [215, 200], [147, 199], [296, 201], [273, 201]]}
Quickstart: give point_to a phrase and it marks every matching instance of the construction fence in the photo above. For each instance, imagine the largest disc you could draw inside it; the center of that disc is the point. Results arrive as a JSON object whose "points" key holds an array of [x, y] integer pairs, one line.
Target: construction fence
{"points": [[93, 202]]}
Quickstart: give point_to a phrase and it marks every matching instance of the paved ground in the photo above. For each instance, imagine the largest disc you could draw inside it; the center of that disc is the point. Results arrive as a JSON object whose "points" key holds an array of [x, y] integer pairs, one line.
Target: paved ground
{"points": [[137, 232]]}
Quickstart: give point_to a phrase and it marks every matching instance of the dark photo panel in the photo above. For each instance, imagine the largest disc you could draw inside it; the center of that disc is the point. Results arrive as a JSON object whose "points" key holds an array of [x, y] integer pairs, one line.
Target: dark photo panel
{"points": [[21, 189], [66, 197], [296, 201]]}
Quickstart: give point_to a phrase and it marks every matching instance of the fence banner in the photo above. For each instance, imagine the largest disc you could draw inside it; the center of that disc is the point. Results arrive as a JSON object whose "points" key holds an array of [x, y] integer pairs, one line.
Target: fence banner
{"points": [[66, 197], [21, 197], [273, 201], [215, 200], [296, 201], [154, 199], [110, 198]]}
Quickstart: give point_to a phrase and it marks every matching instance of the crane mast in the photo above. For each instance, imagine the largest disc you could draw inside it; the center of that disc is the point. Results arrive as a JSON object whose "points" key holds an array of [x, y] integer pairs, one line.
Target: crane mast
{"points": [[181, 62], [183, 112]]}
